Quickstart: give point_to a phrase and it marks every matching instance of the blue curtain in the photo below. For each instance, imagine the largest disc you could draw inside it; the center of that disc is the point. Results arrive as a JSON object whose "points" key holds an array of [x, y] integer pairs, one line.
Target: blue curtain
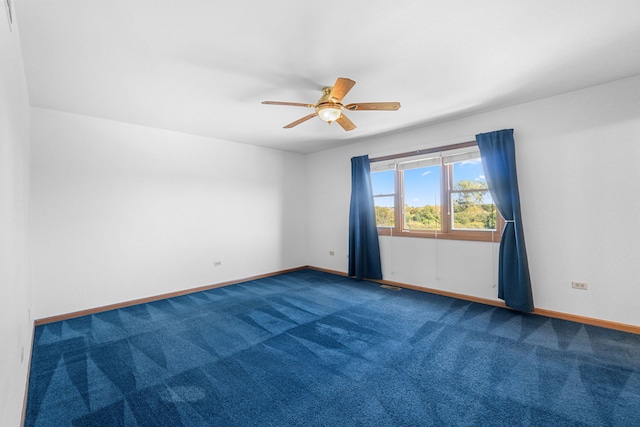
{"points": [[364, 248], [499, 162]]}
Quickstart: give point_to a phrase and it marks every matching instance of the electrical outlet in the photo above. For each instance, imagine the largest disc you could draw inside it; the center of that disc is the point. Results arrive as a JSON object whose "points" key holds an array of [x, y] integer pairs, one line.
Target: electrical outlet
{"points": [[217, 263], [332, 253], [580, 285]]}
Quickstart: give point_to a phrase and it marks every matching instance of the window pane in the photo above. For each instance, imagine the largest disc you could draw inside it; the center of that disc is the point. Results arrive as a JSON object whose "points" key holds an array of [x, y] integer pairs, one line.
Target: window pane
{"points": [[383, 183], [422, 198], [383, 186], [384, 211], [468, 175], [473, 210]]}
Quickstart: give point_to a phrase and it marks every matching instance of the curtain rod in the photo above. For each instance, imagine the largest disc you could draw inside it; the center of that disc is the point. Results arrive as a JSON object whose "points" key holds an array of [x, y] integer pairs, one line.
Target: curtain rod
{"points": [[424, 151]]}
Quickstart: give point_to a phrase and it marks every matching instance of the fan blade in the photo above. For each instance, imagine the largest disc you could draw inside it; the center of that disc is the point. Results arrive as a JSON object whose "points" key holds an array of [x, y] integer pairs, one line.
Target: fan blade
{"points": [[297, 122], [373, 106], [345, 123], [341, 88], [293, 104]]}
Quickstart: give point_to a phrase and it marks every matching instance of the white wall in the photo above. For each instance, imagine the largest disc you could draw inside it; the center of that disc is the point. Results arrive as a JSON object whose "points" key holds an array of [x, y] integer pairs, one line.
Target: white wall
{"points": [[577, 158], [121, 211], [15, 303]]}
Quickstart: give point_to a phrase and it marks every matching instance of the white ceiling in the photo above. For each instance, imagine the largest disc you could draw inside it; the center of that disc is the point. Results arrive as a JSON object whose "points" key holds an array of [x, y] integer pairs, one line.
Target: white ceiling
{"points": [[203, 67]]}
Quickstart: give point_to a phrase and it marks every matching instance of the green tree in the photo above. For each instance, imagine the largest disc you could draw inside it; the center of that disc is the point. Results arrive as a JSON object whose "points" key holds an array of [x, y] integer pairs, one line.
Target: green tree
{"points": [[467, 197], [384, 216], [422, 217], [490, 221], [469, 209]]}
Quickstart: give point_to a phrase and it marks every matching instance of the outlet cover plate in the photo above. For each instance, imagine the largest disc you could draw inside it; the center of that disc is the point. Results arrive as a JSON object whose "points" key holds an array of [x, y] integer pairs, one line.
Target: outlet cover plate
{"points": [[580, 285]]}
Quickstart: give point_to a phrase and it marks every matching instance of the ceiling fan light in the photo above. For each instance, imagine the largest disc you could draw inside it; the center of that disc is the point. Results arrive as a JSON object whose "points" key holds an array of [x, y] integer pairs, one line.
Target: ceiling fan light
{"points": [[329, 113]]}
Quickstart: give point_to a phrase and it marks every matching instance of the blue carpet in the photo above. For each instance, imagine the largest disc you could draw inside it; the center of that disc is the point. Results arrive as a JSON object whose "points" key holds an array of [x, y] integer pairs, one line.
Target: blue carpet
{"points": [[312, 348]]}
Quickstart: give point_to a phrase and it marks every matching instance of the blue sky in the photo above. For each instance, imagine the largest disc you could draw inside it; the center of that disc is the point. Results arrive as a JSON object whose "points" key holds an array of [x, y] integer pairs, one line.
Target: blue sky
{"points": [[422, 186]]}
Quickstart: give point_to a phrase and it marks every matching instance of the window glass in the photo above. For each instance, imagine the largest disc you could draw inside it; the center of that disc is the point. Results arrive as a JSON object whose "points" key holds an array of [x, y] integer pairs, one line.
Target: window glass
{"points": [[473, 210], [469, 173], [383, 185], [422, 198], [438, 192], [471, 204]]}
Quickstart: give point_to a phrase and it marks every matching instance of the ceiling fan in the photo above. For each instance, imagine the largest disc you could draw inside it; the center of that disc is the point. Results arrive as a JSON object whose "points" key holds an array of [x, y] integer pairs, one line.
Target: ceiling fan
{"points": [[330, 109]]}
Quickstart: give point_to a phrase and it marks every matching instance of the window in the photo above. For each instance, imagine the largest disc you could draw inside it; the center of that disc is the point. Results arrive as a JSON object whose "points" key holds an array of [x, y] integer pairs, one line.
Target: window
{"points": [[436, 193]]}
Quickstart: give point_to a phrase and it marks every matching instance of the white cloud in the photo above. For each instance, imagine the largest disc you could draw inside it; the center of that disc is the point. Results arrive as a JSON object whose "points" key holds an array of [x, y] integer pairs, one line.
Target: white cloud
{"points": [[425, 173]]}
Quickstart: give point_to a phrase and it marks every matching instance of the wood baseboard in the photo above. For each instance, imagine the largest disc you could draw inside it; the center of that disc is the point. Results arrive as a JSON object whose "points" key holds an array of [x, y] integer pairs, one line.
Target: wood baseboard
{"points": [[497, 303], [81, 313]]}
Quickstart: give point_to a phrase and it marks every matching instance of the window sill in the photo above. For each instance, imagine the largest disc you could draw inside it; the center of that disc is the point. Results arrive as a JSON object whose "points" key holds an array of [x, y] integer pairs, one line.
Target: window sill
{"points": [[475, 236]]}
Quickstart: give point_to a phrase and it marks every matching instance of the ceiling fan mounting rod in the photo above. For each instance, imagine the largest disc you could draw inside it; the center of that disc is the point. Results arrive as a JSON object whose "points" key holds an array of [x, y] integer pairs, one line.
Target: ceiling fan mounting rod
{"points": [[326, 96]]}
